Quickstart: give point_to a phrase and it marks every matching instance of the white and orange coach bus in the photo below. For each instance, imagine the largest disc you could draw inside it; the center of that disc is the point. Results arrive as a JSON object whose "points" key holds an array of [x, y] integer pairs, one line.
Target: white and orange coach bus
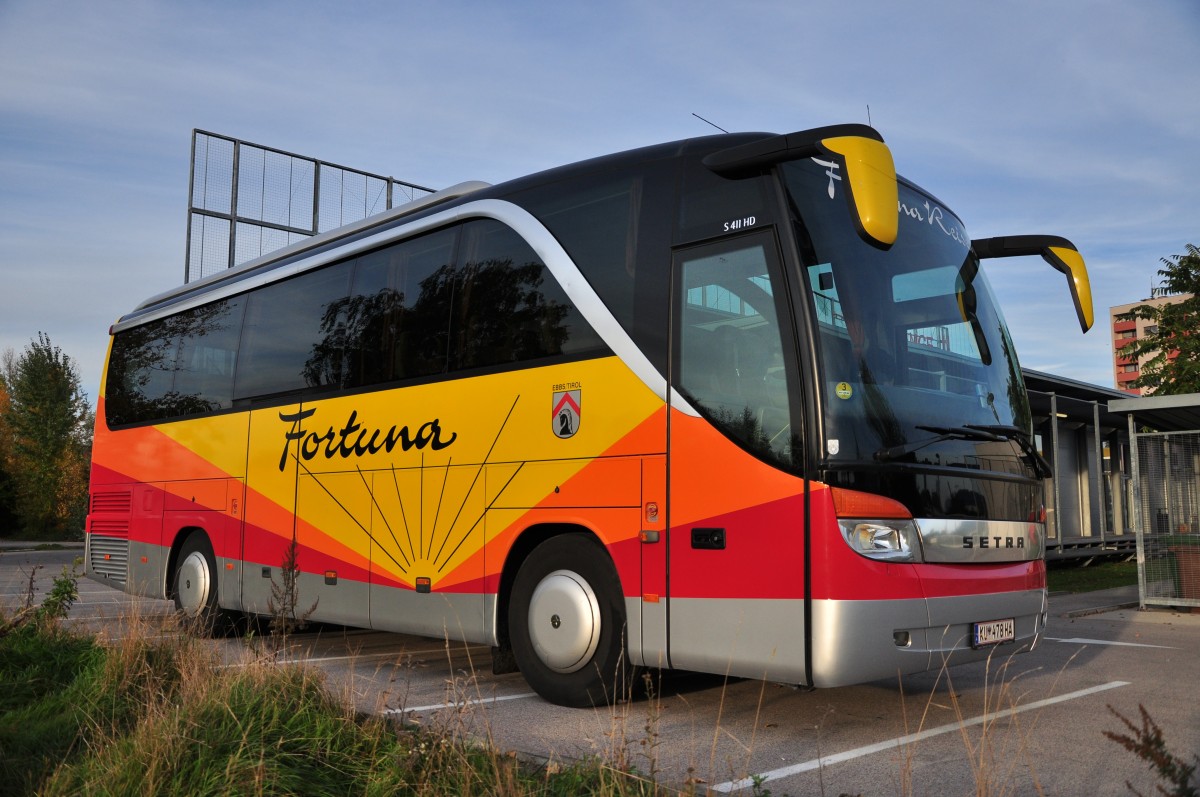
{"points": [[740, 404]]}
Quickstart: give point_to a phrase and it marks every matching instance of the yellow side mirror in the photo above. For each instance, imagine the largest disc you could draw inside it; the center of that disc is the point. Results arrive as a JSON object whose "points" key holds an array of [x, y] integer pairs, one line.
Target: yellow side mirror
{"points": [[857, 149], [1059, 253], [871, 176]]}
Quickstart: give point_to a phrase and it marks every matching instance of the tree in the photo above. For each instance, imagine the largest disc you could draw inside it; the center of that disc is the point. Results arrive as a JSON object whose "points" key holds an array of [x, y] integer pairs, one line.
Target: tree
{"points": [[8, 494], [47, 428], [1173, 342]]}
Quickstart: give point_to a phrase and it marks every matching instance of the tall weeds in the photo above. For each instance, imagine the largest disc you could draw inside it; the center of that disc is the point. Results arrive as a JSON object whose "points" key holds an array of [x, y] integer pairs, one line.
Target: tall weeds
{"points": [[149, 713], [154, 713]]}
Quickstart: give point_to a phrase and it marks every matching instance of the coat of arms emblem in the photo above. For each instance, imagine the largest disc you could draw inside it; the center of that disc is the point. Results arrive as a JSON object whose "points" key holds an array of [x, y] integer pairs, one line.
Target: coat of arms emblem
{"points": [[564, 419]]}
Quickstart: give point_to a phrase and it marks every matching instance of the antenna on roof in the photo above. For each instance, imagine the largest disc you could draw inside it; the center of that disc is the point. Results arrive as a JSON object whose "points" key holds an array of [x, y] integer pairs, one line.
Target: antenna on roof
{"points": [[702, 119], [869, 115]]}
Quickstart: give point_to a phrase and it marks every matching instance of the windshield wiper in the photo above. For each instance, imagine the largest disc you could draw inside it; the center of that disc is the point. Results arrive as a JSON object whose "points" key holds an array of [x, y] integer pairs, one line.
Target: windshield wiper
{"points": [[967, 432], [992, 433], [1019, 436]]}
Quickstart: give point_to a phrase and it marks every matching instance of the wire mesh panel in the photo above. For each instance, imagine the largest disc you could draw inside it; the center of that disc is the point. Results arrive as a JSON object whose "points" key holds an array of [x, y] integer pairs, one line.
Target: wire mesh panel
{"points": [[208, 246], [210, 206], [247, 200], [212, 181], [347, 196], [275, 188], [1169, 468]]}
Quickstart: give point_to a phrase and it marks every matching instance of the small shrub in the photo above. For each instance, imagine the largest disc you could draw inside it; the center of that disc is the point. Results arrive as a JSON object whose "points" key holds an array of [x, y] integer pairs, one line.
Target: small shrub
{"points": [[1147, 743], [62, 595]]}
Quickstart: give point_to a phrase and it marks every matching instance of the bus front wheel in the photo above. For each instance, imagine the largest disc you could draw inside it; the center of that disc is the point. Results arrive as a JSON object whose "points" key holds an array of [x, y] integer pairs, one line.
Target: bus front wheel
{"points": [[566, 621]]}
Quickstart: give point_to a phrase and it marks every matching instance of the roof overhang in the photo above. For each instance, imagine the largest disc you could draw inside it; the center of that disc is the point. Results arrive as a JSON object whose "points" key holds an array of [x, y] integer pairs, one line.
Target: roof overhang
{"points": [[1179, 413], [1072, 400]]}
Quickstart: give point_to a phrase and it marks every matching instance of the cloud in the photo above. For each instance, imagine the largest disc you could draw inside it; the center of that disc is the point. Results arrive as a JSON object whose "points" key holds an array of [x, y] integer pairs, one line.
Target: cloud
{"points": [[1069, 119]]}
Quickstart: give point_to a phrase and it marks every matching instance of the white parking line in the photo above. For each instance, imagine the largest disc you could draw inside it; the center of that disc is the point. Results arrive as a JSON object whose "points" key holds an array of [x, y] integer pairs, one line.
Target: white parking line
{"points": [[379, 655], [858, 752], [1081, 641], [359, 656], [460, 704]]}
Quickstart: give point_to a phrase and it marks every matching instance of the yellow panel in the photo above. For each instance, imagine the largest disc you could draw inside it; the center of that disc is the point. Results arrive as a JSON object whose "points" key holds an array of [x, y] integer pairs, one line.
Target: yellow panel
{"points": [[219, 440], [426, 521]]}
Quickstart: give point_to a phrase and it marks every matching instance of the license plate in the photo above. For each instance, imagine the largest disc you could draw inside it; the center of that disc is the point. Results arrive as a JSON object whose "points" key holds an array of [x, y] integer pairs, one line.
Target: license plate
{"points": [[993, 632]]}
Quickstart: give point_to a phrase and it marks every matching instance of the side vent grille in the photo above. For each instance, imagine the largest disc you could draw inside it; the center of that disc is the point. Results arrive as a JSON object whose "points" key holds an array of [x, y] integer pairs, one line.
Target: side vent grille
{"points": [[108, 534], [109, 557], [118, 501], [114, 527]]}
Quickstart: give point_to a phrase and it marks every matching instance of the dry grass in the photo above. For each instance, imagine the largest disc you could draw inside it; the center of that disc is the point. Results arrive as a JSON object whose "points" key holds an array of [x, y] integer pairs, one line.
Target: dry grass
{"points": [[152, 710]]}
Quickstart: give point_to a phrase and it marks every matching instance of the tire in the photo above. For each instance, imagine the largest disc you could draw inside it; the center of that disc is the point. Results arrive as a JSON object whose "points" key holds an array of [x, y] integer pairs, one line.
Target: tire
{"points": [[566, 620], [195, 590]]}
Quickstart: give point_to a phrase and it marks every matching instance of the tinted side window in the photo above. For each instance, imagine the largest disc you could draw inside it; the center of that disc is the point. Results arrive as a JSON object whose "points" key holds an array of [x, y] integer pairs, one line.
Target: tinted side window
{"points": [[294, 334], [474, 296], [208, 353], [176, 367], [598, 226], [395, 328], [141, 370], [506, 306], [616, 225]]}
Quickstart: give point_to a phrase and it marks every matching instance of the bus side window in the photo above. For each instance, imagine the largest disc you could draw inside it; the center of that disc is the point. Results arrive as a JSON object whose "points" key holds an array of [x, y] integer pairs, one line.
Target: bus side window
{"points": [[508, 307], [293, 336], [208, 354], [177, 367], [141, 373], [397, 314], [597, 224]]}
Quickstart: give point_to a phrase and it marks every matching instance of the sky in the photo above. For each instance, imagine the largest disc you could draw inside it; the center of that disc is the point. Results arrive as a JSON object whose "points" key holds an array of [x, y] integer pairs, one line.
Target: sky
{"points": [[1071, 118]]}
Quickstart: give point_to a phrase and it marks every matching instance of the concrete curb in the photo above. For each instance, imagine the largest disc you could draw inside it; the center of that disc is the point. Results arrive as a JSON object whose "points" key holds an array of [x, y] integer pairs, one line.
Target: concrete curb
{"points": [[1101, 609], [41, 545]]}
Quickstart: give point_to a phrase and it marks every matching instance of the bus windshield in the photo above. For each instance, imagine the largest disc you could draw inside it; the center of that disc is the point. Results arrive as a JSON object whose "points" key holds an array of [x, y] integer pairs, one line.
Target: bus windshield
{"points": [[908, 337]]}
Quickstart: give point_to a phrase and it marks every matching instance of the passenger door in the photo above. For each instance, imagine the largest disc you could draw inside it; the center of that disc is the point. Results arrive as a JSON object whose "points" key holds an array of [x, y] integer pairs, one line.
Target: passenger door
{"points": [[736, 523]]}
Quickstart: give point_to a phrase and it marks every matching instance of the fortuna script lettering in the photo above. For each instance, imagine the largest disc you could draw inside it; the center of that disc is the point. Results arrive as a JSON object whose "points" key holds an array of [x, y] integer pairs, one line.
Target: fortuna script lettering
{"points": [[352, 440], [935, 215]]}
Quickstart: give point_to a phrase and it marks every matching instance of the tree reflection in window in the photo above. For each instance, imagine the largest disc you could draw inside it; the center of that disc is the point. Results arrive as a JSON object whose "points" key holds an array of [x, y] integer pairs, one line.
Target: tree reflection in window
{"points": [[505, 309], [179, 366], [496, 305], [467, 297]]}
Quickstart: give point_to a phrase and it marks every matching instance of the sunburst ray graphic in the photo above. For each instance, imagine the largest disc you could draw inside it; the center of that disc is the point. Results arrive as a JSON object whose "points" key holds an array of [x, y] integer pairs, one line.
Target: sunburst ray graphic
{"points": [[408, 531]]}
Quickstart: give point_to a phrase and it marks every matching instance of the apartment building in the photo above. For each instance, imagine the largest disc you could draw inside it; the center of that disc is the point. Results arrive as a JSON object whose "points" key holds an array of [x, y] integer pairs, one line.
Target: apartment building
{"points": [[1125, 332]]}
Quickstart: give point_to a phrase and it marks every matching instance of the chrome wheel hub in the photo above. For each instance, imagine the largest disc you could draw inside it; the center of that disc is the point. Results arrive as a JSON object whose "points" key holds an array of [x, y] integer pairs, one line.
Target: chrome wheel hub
{"points": [[564, 621], [194, 584]]}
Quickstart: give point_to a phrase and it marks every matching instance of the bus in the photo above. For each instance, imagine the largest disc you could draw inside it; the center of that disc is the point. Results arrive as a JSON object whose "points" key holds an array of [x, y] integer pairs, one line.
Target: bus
{"points": [[742, 404]]}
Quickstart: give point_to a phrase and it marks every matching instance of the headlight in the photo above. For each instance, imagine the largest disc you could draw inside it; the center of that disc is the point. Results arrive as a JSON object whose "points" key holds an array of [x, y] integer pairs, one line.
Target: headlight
{"points": [[886, 540]]}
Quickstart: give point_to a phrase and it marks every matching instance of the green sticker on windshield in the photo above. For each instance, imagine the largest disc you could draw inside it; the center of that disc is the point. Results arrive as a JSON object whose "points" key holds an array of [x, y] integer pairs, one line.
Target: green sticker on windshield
{"points": [[843, 390]]}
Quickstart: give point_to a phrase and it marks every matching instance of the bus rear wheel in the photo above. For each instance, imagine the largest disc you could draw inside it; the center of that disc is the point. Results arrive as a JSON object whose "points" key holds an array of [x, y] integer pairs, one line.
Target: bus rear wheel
{"points": [[195, 589], [566, 621]]}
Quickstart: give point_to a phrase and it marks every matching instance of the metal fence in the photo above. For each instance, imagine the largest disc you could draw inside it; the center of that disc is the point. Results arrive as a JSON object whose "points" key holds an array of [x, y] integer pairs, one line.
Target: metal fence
{"points": [[247, 200], [1167, 476]]}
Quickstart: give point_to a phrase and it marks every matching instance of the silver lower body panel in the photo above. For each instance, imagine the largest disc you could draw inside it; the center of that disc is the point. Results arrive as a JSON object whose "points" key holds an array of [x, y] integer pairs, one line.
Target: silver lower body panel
{"points": [[858, 641]]}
